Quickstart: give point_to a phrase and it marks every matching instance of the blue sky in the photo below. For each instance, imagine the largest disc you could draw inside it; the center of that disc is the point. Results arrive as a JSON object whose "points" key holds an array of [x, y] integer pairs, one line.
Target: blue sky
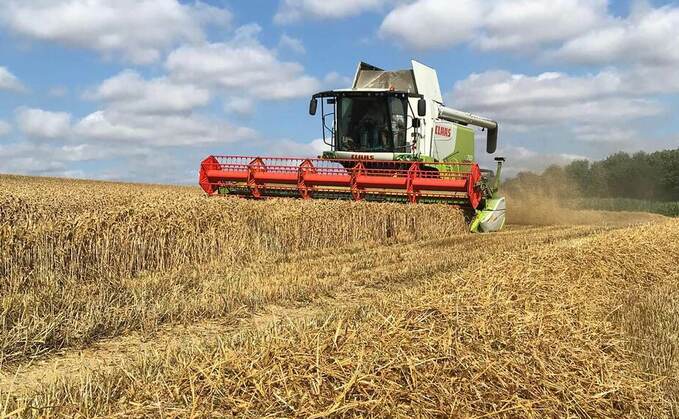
{"points": [[143, 90]]}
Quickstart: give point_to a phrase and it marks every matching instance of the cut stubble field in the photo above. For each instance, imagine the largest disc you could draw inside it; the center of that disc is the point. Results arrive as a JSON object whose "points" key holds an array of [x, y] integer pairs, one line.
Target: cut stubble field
{"points": [[139, 300]]}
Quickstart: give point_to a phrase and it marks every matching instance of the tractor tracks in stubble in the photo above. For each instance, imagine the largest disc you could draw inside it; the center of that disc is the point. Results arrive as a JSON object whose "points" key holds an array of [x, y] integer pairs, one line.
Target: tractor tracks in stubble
{"points": [[351, 276]]}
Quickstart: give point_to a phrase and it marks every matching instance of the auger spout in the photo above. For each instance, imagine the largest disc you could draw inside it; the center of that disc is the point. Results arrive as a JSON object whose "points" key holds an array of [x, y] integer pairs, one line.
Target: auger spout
{"points": [[453, 115]]}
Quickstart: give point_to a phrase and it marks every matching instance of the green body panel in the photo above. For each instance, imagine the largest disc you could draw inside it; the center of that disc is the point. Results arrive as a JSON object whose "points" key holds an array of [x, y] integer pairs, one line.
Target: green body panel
{"points": [[488, 214], [464, 146], [464, 151]]}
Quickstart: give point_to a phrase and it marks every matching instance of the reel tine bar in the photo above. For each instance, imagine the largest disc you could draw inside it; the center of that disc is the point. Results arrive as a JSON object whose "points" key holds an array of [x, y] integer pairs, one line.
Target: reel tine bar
{"points": [[406, 181]]}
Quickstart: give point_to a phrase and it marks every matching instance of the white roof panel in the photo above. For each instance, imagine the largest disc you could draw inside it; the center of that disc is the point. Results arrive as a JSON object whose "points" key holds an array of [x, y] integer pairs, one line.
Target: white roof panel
{"points": [[427, 81]]}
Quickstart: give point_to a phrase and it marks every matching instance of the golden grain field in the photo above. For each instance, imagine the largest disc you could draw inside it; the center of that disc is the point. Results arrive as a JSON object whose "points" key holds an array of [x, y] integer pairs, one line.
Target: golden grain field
{"points": [[122, 300]]}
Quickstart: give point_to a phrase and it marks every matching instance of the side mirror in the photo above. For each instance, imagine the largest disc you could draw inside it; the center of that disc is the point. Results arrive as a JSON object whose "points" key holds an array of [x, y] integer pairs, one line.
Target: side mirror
{"points": [[422, 107], [313, 105], [416, 123]]}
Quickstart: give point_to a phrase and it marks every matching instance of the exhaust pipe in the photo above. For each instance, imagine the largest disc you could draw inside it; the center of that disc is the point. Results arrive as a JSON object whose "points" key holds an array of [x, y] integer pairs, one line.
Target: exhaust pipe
{"points": [[453, 115]]}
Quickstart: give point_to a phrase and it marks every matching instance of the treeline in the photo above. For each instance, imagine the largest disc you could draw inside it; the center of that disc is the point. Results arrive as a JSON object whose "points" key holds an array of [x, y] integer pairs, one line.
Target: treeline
{"points": [[639, 176]]}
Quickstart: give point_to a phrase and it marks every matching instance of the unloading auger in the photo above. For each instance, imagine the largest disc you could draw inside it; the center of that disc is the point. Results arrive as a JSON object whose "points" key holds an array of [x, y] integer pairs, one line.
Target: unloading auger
{"points": [[390, 139]]}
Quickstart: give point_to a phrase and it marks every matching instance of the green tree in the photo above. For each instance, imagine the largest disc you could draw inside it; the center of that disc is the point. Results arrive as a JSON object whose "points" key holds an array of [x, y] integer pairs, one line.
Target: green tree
{"points": [[579, 173], [641, 176]]}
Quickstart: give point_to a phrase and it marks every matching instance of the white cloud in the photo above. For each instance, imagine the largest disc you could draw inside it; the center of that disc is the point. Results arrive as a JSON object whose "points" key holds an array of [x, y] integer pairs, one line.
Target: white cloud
{"points": [[131, 158], [319, 146], [500, 88], [291, 148], [552, 98], [158, 112], [207, 15], [433, 23], [157, 130], [160, 167], [523, 159], [129, 92], [491, 25], [49, 159], [58, 91], [293, 85], [111, 128], [293, 10], [599, 112], [583, 32], [34, 164], [645, 43], [39, 123], [240, 105], [614, 135], [292, 44], [9, 81], [242, 66], [518, 24], [93, 152], [649, 36], [5, 128], [654, 79], [138, 30], [335, 80], [68, 153]]}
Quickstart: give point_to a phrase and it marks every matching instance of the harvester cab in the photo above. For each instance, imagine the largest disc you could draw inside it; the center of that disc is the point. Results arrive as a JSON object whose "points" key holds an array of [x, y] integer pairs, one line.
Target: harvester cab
{"points": [[397, 115], [390, 138]]}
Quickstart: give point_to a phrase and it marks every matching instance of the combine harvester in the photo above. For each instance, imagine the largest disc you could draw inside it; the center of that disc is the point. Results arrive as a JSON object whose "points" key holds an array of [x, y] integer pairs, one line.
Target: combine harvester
{"points": [[391, 139]]}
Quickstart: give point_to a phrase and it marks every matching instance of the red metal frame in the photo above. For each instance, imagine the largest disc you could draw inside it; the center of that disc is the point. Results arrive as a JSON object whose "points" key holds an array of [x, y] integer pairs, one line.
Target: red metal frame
{"points": [[260, 177]]}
